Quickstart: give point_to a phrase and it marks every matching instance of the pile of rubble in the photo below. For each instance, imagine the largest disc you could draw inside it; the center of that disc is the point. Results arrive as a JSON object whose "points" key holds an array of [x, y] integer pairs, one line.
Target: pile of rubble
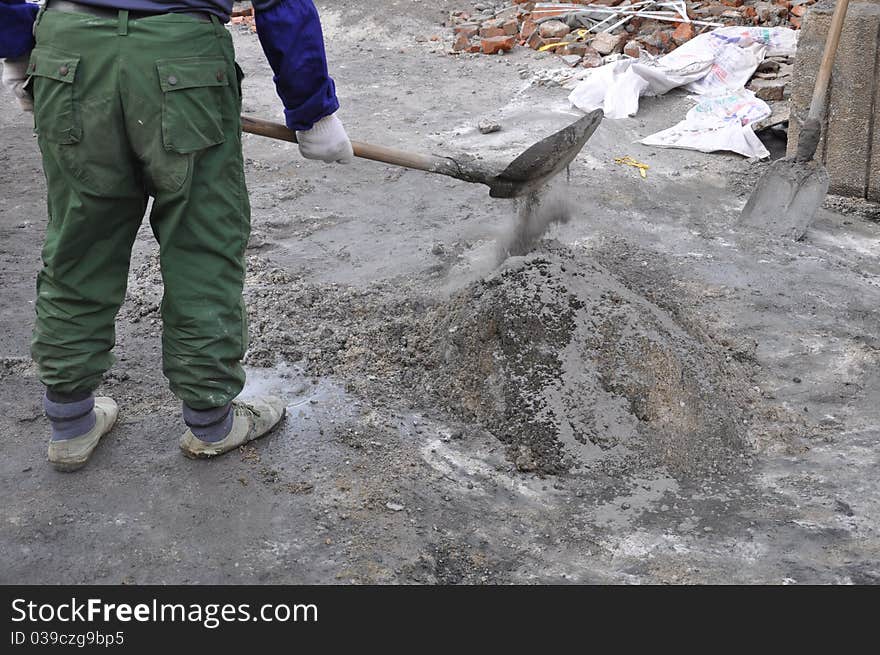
{"points": [[587, 32], [771, 81], [243, 15]]}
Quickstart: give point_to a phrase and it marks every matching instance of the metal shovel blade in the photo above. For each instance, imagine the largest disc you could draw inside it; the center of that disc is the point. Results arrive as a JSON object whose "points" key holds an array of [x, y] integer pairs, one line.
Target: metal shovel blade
{"points": [[787, 198], [540, 162]]}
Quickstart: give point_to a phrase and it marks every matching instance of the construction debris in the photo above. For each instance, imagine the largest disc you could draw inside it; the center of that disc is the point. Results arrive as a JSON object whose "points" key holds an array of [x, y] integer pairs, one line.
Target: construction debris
{"points": [[609, 27], [716, 67], [244, 17], [594, 34]]}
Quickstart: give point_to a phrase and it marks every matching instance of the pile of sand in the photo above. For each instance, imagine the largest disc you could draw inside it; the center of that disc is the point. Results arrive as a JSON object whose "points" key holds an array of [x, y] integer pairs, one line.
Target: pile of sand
{"points": [[552, 354]]}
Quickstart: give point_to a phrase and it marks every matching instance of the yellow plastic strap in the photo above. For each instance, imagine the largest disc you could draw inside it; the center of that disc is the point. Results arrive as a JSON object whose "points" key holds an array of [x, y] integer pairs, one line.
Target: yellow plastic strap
{"points": [[629, 161]]}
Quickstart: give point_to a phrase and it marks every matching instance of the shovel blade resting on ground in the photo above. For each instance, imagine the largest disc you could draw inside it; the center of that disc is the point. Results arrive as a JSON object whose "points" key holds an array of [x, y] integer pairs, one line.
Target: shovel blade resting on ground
{"points": [[534, 168], [786, 198]]}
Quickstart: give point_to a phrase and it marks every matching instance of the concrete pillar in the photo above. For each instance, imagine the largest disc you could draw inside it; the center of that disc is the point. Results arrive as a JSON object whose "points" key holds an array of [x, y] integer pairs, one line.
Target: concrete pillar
{"points": [[850, 146]]}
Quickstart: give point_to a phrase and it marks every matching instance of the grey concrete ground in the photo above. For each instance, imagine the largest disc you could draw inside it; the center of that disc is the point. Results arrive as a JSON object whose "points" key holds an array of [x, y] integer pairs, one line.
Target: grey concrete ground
{"points": [[392, 488]]}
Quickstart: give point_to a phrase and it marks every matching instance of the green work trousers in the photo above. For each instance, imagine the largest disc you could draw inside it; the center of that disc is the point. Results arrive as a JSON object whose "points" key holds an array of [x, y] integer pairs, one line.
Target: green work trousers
{"points": [[126, 110]]}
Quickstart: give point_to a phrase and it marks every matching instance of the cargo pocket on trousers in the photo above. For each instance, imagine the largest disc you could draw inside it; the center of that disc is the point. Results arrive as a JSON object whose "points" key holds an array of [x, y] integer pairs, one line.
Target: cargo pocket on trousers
{"points": [[192, 106], [56, 115]]}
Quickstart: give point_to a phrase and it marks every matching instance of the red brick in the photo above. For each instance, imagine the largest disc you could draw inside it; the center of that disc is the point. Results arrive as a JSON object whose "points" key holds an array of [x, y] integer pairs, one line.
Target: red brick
{"points": [[591, 58], [554, 29], [576, 48], [683, 33], [494, 44], [511, 27], [460, 43], [489, 32], [606, 43], [632, 49], [535, 41], [527, 28], [468, 29], [768, 89], [551, 10]]}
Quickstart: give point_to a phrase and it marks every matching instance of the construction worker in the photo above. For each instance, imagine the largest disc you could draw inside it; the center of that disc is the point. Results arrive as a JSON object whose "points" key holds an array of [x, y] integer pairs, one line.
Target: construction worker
{"points": [[135, 99]]}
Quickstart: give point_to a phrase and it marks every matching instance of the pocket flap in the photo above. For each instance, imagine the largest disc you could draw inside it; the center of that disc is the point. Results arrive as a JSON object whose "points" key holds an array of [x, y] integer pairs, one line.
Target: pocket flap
{"points": [[52, 63], [178, 74]]}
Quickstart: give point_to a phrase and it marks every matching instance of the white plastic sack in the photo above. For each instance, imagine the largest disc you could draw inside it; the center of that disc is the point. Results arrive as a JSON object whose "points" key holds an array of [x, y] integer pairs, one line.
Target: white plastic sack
{"points": [[593, 93], [780, 41], [732, 68], [616, 88], [716, 123]]}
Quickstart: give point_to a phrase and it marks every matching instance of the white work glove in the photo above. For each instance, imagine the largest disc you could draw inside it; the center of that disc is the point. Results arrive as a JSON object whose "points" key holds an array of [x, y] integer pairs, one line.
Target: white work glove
{"points": [[15, 78], [326, 141]]}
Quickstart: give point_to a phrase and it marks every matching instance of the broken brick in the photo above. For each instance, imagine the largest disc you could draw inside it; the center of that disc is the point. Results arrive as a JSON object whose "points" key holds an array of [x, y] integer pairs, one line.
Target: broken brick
{"points": [[535, 41], [767, 89], [591, 58], [511, 27], [487, 32], [554, 29], [461, 43], [495, 44], [468, 29], [632, 49], [605, 43], [683, 33], [527, 29]]}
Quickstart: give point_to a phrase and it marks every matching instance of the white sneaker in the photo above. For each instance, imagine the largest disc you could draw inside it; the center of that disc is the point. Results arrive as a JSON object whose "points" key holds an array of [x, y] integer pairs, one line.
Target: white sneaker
{"points": [[251, 420], [72, 454]]}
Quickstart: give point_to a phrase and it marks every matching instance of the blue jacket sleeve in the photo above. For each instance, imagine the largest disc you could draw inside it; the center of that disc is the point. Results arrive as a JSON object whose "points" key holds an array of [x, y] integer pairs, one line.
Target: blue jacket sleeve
{"points": [[16, 27], [290, 33]]}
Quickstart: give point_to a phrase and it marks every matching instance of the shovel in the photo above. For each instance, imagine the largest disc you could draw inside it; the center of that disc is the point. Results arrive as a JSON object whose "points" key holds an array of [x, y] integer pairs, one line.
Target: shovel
{"points": [[787, 197], [528, 172]]}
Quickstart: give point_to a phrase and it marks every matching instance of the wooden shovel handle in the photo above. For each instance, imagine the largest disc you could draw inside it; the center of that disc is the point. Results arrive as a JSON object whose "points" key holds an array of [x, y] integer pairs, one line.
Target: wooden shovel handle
{"points": [[430, 163], [824, 77]]}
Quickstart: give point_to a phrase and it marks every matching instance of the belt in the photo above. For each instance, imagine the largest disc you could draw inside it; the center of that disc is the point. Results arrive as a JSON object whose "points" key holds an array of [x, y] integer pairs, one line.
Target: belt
{"points": [[109, 12]]}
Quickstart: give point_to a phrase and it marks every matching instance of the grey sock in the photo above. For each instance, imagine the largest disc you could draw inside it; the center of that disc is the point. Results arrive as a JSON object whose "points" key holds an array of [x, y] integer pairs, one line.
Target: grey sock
{"points": [[209, 425], [70, 419]]}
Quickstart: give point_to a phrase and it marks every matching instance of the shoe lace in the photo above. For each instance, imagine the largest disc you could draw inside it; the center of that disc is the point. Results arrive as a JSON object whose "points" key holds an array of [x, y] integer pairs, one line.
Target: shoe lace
{"points": [[247, 406]]}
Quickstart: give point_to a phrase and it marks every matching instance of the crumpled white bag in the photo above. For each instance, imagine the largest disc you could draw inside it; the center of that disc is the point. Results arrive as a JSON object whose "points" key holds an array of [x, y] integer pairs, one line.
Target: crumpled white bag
{"points": [[722, 122]]}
